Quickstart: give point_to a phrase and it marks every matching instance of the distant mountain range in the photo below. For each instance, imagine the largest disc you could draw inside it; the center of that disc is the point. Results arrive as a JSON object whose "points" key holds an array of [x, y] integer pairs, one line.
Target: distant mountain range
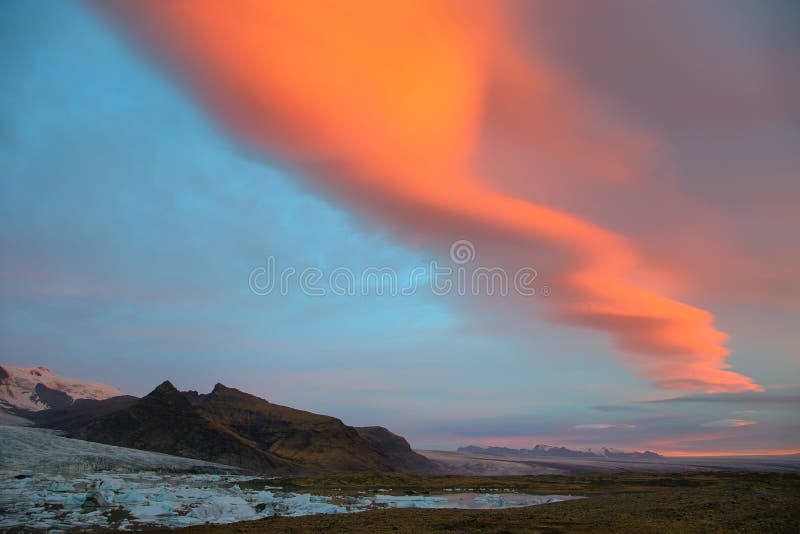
{"points": [[226, 426], [546, 451], [38, 388]]}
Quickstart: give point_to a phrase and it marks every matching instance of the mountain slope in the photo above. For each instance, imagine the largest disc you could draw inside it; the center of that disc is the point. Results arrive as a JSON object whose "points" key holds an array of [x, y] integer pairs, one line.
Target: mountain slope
{"points": [[235, 428], [394, 449], [37, 388], [302, 437], [80, 412]]}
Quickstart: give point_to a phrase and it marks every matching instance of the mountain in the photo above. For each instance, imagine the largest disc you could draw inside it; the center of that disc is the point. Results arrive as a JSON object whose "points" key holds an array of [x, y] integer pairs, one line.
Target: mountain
{"points": [[394, 449], [538, 451], [302, 437], [629, 455], [235, 428], [166, 421], [30, 389], [546, 451]]}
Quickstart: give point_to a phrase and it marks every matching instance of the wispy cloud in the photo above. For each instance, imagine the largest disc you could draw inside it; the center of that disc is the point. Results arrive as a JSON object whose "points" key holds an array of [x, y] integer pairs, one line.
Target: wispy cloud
{"points": [[746, 398], [603, 426], [623, 408], [729, 423]]}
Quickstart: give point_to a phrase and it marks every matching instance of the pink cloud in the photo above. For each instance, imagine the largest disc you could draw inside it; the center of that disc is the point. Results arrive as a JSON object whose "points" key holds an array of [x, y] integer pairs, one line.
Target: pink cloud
{"points": [[387, 110]]}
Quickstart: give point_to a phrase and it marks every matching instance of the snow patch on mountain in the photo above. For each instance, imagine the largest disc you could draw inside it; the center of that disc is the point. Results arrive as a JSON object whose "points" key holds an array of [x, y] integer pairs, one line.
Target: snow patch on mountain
{"points": [[38, 388]]}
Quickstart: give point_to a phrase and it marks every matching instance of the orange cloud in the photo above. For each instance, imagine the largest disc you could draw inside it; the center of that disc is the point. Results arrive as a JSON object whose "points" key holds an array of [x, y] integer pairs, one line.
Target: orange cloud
{"points": [[384, 104]]}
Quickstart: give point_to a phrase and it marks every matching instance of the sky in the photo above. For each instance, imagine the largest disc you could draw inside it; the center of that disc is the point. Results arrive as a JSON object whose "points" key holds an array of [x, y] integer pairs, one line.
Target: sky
{"points": [[629, 168]]}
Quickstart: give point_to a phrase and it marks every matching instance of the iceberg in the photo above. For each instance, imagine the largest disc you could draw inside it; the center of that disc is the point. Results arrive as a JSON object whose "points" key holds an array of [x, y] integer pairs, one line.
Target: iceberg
{"points": [[130, 497], [150, 511], [223, 510], [148, 499]]}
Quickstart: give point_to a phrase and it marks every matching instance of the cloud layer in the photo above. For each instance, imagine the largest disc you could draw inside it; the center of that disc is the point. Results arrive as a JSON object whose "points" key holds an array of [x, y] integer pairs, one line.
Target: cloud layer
{"points": [[406, 111]]}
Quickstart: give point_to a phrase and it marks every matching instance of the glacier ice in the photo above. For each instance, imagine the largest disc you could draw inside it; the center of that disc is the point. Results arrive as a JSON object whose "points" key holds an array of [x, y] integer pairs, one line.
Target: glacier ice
{"points": [[49, 482], [132, 501]]}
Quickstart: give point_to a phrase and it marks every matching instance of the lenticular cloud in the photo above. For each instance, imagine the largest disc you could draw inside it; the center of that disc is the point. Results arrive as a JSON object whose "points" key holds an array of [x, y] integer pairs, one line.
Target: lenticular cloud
{"points": [[388, 108]]}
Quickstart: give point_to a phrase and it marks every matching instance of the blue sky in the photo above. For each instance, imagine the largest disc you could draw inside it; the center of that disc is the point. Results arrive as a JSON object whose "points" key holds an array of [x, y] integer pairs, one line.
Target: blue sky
{"points": [[130, 225], [129, 249]]}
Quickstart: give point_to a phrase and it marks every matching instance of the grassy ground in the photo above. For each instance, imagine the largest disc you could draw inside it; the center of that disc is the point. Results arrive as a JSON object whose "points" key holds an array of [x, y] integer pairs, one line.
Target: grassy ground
{"points": [[697, 502]]}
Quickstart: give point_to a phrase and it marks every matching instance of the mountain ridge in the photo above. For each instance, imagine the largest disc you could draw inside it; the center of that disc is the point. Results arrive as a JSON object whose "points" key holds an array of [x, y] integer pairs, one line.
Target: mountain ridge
{"points": [[233, 427]]}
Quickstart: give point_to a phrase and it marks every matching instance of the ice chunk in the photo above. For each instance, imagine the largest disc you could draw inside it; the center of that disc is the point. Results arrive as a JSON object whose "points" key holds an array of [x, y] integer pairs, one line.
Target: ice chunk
{"points": [[107, 483], [223, 510], [264, 509], [149, 511], [265, 496], [95, 499], [162, 495], [61, 486], [73, 500], [130, 497]]}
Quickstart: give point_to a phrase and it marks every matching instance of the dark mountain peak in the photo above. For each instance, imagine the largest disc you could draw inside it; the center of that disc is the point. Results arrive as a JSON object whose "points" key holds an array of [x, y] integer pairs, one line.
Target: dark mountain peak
{"points": [[165, 387], [166, 397], [165, 394], [221, 391], [220, 388], [3, 373]]}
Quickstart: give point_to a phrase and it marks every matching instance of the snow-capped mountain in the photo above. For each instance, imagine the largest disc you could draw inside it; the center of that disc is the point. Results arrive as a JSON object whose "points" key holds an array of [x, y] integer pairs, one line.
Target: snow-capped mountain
{"points": [[562, 452], [38, 388]]}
